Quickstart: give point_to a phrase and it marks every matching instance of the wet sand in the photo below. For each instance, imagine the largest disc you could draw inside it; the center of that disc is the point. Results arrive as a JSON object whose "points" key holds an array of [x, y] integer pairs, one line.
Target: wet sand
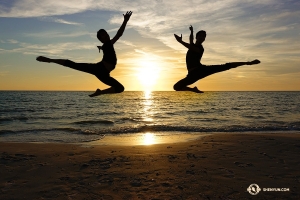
{"points": [[218, 166]]}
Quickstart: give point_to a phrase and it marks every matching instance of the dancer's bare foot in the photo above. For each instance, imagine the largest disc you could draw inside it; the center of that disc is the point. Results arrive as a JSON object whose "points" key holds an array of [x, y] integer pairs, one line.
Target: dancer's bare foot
{"points": [[97, 93], [43, 59], [253, 62], [195, 89]]}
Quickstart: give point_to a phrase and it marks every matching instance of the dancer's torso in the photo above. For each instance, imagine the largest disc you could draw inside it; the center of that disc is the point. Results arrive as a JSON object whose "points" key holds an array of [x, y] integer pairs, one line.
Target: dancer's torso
{"points": [[109, 55], [193, 58]]}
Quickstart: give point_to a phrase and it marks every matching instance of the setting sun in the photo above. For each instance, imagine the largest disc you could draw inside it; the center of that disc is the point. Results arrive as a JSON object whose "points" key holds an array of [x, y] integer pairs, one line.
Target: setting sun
{"points": [[148, 74]]}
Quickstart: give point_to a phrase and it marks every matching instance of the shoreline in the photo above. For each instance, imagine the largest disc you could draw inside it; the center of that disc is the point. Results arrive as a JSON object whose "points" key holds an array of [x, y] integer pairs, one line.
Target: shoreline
{"points": [[150, 138], [215, 166], [154, 138]]}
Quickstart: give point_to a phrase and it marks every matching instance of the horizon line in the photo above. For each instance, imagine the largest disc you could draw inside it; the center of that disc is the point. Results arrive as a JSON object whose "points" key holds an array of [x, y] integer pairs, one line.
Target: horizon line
{"points": [[150, 91]]}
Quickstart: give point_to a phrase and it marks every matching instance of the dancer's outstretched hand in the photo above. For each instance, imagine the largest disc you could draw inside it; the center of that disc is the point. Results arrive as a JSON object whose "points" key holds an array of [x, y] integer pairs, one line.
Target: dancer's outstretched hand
{"points": [[179, 39], [191, 28], [127, 15], [99, 47]]}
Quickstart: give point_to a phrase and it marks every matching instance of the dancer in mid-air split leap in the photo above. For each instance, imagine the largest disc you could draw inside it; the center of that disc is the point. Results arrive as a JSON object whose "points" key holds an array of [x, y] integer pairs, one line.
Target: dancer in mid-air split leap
{"points": [[196, 70], [101, 69]]}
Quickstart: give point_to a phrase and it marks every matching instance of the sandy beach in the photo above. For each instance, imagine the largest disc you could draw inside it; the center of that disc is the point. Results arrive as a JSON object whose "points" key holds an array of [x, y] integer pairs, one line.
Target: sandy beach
{"points": [[217, 166]]}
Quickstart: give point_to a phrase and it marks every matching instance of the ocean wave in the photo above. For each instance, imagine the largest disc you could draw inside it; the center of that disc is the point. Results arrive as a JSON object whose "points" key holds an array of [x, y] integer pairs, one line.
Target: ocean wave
{"points": [[158, 128], [26, 118], [60, 135], [3, 132], [86, 122], [189, 129], [206, 119], [37, 131], [198, 111], [254, 116], [128, 119], [19, 118]]}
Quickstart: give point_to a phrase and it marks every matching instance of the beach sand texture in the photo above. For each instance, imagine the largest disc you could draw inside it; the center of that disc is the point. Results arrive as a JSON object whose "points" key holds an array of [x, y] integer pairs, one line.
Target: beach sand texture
{"points": [[217, 166]]}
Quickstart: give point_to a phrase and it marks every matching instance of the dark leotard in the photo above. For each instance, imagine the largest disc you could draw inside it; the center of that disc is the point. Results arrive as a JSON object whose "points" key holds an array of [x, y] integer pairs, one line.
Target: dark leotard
{"points": [[109, 54], [193, 58]]}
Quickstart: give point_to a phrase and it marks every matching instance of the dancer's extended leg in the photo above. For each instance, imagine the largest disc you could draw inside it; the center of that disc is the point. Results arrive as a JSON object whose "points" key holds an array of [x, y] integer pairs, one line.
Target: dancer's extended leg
{"points": [[182, 85], [237, 64], [84, 67], [212, 69], [49, 60], [99, 70], [104, 76], [205, 71], [116, 87]]}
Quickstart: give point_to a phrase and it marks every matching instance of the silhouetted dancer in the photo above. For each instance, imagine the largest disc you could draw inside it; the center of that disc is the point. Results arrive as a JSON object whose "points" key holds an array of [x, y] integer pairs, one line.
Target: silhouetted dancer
{"points": [[101, 69], [196, 70]]}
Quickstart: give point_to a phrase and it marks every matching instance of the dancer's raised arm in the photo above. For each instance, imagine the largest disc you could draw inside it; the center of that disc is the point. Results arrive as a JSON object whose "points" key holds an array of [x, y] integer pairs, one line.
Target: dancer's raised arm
{"points": [[122, 28], [191, 35], [187, 45]]}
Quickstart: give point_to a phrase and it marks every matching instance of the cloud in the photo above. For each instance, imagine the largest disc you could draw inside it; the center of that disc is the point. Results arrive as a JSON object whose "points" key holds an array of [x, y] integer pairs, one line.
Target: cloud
{"points": [[4, 73], [57, 49], [4, 66], [10, 41], [61, 21], [41, 8], [58, 34], [245, 30], [237, 30], [156, 8], [128, 43]]}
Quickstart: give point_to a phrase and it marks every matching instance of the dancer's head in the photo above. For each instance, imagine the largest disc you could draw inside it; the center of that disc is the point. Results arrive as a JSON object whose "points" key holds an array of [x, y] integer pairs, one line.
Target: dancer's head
{"points": [[200, 36], [102, 35]]}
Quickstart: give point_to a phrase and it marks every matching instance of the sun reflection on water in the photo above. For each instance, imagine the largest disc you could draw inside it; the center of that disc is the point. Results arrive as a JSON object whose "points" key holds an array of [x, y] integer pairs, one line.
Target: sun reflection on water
{"points": [[147, 94], [147, 106], [148, 139]]}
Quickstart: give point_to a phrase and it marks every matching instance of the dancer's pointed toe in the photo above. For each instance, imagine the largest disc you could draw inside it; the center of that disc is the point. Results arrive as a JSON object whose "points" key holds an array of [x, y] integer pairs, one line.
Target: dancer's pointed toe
{"points": [[254, 62], [98, 92], [195, 89], [43, 59]]}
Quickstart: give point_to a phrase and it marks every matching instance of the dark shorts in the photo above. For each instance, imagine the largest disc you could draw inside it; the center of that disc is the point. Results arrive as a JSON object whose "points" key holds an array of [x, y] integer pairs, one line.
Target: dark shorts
{"points": [[199, 73], [99, 70], [204, 71]]}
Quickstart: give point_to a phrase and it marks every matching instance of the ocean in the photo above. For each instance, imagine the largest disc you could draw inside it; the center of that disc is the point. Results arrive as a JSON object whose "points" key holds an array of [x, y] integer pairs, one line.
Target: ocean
{"points": [[72, 117]]}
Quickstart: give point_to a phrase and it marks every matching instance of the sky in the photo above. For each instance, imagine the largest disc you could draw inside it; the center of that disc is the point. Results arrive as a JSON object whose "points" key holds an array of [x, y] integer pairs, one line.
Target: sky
{"points": [[149, 57]]}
